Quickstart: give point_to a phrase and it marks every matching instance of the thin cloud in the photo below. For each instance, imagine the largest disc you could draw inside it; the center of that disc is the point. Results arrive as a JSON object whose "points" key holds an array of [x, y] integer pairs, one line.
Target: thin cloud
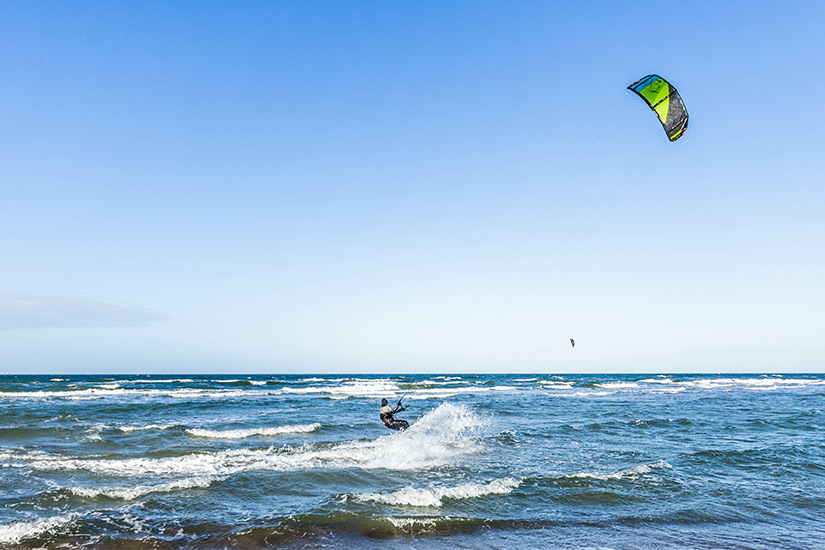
{"points": [[27, 312]]}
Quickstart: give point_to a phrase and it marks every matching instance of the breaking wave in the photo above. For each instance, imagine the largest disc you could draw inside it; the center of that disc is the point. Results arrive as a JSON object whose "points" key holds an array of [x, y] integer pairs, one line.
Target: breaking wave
{"points": [[633, 472], [142, 490], [434, 496], [14, 533], [241, 434]]}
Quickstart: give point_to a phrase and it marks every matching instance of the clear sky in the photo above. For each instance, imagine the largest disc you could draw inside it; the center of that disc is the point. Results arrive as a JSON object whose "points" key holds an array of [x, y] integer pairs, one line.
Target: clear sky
{"points": [[410, 187]]}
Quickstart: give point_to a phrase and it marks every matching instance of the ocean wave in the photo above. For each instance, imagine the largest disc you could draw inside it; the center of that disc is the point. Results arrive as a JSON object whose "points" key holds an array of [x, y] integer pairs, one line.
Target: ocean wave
{"points": [[634, 472], [434, 496], [443, 436], [357, 388], [140, 428], [411, 525], [556, 385], [657, 381], [770, 383], [14, 533], [142, 490], [164, 381], [240, 434], [588, 393], [676, 389], [445, 393], [616, 385], [101, 393], [436, 382]]}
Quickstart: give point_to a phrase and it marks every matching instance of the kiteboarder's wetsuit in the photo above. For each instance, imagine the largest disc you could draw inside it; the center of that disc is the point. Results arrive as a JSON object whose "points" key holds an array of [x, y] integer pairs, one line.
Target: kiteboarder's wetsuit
{"points": [[388, 416]]}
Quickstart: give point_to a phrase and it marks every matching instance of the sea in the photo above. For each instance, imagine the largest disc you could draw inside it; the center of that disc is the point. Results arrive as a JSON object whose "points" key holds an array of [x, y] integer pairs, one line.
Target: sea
{"points": [[490, 461]]}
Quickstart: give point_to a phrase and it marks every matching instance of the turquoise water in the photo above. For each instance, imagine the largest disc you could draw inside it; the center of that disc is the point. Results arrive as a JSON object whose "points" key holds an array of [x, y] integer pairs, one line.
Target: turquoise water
{"points": [[494, 461]]}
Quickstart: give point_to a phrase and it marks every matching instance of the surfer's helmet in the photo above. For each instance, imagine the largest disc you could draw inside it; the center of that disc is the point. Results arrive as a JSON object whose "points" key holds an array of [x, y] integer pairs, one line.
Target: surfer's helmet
{"points": [[384, 402]]}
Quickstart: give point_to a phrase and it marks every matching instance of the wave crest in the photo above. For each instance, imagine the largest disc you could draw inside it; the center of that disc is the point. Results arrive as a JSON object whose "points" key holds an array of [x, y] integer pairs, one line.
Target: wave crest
{"points": [[434, 496], [14, 533], [241, 434]]}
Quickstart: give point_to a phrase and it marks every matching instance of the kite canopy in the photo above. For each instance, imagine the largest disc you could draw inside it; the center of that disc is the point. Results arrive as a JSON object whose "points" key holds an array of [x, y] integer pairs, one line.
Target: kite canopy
{"points": [[665, 101]]}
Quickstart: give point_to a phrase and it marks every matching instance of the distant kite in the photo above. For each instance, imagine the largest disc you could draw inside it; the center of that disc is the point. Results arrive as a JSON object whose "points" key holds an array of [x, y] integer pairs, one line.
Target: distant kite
{"points": [[662, 97], [572, 342]]}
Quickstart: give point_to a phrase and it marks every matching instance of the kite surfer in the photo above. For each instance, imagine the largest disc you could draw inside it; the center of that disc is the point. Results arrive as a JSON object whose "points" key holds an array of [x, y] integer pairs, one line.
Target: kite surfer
{"points": [[388, 416]]}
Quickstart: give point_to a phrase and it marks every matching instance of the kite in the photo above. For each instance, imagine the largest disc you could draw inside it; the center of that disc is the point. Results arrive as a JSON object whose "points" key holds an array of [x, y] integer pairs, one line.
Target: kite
{"points": [[662, 97]]}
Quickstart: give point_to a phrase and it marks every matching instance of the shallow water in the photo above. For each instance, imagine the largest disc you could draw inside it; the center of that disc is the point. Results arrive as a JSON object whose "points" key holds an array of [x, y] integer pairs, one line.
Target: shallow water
{"points": [[608, 461]]}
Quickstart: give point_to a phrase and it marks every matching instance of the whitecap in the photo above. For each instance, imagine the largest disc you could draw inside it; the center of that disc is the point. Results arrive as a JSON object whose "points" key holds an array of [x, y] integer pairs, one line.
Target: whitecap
{"points": [[616, 385], [555, 385], [434, 496], [633, 472], [142, 490], [14, 533], [98, 393], [140, 428], [407, 523], [240, 434], [668, 390], [588, 393], [165, 381], [357, 388]]}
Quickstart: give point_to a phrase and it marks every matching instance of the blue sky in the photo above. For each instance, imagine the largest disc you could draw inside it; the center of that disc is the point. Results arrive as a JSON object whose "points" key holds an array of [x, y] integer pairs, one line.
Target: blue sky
{"points": [[409, 187]]}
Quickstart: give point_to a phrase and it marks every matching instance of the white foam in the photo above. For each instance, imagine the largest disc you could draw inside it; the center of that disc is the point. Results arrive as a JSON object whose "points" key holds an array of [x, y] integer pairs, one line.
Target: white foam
{"points": [[633, 472], [452, 391], [165, 381], [141, 428], [13, 533], [357, 388], [657, 381], [443, 436], [556, 385], [588, 393], [240, 434], [617, 385], [142, 490], [99, 393], [669, 390], [408, 523], [421, 524], [434, 496]]}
